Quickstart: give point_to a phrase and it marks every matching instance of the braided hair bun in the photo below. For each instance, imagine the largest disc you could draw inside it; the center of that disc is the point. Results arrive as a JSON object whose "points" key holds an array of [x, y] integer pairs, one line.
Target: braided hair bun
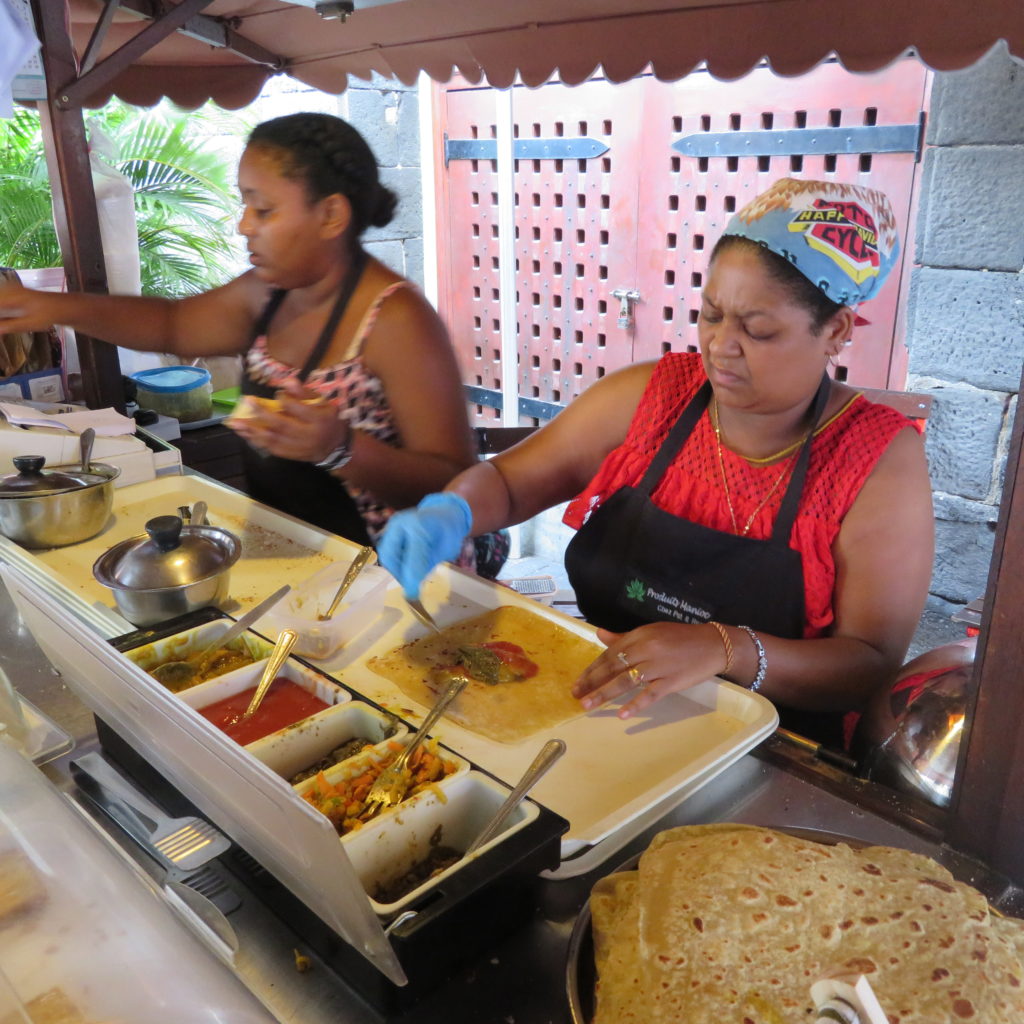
{"points": [[328, 155]]}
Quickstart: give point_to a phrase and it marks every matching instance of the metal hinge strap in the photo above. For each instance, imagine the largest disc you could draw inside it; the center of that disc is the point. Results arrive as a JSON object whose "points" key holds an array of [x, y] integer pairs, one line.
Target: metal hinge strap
{"points": [[524, 149], [897, 138]]}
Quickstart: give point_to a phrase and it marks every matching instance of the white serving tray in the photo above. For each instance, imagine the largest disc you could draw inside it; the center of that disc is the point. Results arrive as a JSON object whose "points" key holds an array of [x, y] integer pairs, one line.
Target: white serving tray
{"points": [[614, 774]]}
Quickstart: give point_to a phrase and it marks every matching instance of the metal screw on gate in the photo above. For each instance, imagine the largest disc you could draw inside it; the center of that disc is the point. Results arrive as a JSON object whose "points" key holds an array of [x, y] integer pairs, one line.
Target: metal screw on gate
{"points": [[626, 298]]}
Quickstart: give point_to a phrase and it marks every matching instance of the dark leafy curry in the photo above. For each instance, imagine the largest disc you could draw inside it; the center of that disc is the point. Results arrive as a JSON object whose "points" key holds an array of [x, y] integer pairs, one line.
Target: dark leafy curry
{"points": [[496, 662]]}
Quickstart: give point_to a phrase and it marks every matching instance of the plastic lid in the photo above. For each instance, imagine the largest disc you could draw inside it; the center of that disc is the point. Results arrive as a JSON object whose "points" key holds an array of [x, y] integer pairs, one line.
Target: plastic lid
{"points": [[172, 379], [173, 555]]}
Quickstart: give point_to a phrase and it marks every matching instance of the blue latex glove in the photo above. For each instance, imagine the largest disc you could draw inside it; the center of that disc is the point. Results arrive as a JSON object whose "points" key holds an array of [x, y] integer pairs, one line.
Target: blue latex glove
{"points": [[417, 539]]}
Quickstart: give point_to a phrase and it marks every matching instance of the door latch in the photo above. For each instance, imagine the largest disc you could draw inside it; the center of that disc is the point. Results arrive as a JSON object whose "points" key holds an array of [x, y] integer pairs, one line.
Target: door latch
{"points": [[626, 299]]}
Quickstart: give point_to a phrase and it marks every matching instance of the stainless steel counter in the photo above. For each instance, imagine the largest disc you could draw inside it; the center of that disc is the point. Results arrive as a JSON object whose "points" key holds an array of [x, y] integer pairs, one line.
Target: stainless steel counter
{"points": [[519, 980]]}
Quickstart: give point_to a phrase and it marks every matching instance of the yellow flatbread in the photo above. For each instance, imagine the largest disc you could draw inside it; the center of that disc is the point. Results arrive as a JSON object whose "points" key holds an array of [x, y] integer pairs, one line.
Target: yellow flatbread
{"points": [[507, 712], [730, 923]]}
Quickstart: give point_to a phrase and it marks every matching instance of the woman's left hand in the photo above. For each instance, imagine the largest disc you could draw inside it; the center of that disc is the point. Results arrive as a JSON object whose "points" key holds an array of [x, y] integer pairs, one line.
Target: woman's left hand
{"points": [[307, 427], [653, 660]]}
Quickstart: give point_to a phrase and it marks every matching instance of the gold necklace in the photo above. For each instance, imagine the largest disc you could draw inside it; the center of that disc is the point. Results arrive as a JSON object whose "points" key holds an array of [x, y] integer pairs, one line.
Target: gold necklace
{"points": [[765, 459], [786, 469]]}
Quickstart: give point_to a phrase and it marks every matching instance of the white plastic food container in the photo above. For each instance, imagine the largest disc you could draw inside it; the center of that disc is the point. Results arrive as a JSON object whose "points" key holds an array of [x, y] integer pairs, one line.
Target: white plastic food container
{"points": [[299, 609], [390, 846]]}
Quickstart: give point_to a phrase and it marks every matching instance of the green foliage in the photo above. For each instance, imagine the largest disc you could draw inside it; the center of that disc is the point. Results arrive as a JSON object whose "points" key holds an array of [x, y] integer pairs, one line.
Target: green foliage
{"points": [[185, 202]]}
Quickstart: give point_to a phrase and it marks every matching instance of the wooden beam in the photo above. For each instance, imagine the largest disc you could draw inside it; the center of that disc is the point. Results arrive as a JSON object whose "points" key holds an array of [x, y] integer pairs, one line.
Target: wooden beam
{"points": [[985, 816], [74, 202], [76, 90]]}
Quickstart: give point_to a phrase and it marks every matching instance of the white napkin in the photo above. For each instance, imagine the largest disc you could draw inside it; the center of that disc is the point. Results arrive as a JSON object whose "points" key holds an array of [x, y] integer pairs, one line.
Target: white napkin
{"points": [[106, 422]]}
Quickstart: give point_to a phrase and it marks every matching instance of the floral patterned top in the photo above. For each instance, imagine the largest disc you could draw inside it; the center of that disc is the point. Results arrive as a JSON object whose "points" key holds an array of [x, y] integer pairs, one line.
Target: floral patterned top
{"points": [[351, 386]]}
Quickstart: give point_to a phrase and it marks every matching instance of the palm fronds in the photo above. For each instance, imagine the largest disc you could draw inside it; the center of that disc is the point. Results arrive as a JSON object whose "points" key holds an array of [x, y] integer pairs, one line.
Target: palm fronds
{"points": [[185, 202]]}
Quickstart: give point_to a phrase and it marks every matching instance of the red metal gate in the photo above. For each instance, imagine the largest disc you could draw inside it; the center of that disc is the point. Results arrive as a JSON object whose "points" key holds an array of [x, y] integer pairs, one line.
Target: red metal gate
{"points": [[641, 216]]}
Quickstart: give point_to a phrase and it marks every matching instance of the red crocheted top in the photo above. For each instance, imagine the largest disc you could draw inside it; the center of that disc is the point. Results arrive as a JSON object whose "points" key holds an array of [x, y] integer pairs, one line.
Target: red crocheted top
{"points": [[843, 454]]}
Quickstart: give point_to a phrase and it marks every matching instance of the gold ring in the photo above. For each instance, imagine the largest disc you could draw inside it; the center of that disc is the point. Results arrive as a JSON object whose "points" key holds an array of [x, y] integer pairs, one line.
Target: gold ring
{"points": [[636, 677]]}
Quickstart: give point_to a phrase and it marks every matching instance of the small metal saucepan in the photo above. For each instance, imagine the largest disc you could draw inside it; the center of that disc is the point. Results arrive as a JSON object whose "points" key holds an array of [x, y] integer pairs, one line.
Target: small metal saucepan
{"points": [[53, 508], [172, 570]]}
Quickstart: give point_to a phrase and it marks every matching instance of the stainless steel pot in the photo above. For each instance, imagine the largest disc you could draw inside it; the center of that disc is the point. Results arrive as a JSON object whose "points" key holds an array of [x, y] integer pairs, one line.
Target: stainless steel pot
{"points": [[909, 735], [51, 509], [172, 570]]}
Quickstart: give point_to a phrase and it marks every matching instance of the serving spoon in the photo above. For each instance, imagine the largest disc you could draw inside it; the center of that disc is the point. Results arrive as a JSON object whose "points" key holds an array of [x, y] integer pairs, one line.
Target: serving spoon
{"points": [[178, 675], [549, 754], [285, 642], [353, 571], [86, 442]]}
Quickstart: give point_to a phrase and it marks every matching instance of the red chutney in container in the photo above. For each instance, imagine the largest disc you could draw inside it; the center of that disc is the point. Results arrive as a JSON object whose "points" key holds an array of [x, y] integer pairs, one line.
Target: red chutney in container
{"points": [[285, 703]]}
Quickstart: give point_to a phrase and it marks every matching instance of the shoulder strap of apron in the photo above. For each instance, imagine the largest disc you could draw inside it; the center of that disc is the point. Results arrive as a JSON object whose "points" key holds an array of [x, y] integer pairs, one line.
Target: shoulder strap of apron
{"points": [[675, 439], [267, 314], [683, 427], [348, 287], [791, 499]]}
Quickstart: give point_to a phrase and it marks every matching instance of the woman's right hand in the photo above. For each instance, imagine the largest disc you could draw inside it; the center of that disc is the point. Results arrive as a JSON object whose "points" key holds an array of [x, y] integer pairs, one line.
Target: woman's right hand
{"points": [[22, 309], [417, 539]]}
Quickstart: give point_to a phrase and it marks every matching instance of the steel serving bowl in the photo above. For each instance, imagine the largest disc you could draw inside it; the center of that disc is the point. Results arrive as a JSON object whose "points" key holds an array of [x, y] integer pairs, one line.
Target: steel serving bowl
{"points": [[172, 570], [53, 509]]}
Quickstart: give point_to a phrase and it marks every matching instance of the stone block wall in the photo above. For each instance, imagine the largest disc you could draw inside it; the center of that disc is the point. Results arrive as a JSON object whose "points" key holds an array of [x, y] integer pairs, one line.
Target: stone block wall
{"points": [[386, 112], [965, 314]]}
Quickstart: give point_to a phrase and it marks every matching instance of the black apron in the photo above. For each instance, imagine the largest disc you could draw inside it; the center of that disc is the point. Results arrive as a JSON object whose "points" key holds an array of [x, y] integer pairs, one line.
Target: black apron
{"points": [[632, 563], [302, 489]]}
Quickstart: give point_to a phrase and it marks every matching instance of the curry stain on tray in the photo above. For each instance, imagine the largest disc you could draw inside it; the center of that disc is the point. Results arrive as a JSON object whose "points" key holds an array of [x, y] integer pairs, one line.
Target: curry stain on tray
{"points": [[507, 712]]}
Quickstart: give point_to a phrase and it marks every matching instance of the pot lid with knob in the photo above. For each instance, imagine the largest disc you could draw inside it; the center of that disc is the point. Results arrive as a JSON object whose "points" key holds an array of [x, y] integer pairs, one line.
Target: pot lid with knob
{"points": [[170, 555]]}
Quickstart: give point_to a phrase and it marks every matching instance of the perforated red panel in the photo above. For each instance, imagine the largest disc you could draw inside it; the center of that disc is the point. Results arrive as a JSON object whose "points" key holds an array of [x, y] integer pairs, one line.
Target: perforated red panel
{"points": [[642, 216], [685, 202]]}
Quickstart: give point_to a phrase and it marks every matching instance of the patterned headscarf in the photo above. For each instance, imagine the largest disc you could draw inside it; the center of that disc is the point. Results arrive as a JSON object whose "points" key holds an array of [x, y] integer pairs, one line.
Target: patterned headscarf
{"points": [[841, 237]]}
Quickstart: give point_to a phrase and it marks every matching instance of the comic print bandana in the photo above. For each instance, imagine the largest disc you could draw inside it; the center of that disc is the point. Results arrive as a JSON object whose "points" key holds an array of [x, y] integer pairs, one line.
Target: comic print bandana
{"points": [[842, 237]]}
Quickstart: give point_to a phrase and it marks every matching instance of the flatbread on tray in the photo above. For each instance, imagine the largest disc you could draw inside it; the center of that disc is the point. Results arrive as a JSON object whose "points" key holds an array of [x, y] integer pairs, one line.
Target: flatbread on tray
{"points": [[507, 712], [732, 923]]}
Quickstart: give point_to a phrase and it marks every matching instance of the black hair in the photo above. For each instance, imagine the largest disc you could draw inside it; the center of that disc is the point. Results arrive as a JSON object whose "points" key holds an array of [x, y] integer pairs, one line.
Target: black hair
{"points": [[802, 290], [328, 155]]}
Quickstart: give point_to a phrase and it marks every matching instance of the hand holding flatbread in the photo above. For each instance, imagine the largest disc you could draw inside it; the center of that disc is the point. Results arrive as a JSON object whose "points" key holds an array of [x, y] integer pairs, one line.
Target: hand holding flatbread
{"points": [[297, 424]]}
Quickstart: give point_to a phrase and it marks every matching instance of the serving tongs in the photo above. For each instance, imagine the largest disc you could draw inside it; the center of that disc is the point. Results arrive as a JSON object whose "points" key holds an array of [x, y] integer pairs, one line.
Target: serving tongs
{"points": [[390, 787]]}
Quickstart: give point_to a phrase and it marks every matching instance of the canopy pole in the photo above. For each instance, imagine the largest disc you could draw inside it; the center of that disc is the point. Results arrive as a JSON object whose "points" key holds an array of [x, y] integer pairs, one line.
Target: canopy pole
{"points": [[507, 312], [74, 201], [988, 789], [507, 257]]}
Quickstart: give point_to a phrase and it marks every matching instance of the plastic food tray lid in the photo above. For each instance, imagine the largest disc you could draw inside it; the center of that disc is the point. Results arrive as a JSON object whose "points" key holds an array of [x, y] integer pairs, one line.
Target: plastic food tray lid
{"points": [[635, 770], [259, 810]]}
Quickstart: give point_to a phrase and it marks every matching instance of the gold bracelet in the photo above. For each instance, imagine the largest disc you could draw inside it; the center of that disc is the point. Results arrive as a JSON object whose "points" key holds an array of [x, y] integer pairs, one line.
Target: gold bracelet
{"points": [[726, 643]]}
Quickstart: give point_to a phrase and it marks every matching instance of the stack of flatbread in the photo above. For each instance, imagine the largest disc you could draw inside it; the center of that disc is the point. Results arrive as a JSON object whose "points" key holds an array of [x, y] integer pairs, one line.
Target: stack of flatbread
{"points": [[729, 923]]}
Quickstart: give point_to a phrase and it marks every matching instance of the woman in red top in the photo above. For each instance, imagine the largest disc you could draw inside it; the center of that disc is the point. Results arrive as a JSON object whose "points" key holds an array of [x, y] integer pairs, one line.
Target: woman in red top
{"points": [[739, 513]]}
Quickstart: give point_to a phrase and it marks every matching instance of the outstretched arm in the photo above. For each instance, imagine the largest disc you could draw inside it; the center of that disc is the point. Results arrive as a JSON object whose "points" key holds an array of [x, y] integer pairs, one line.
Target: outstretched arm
{"points": [[559, 460], [218, 322], [548, 467]]}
